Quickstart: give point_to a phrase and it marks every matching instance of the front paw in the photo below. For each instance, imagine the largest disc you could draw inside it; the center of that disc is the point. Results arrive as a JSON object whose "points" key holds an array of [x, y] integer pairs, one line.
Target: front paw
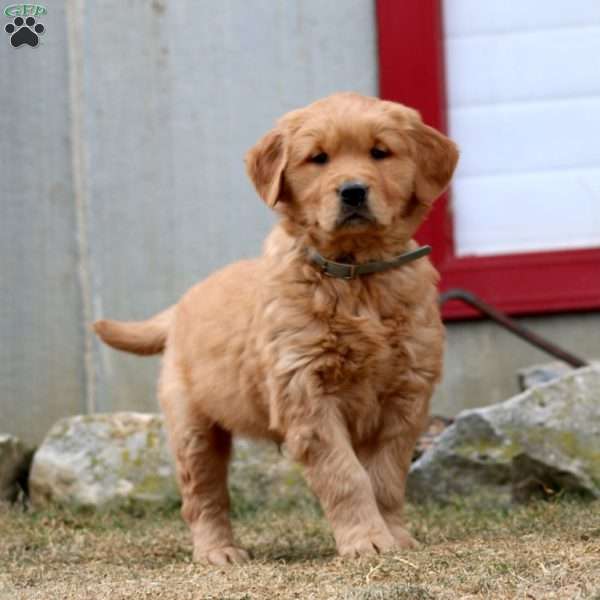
{"points": [[404, 541], [374, 542], [227, 555]]}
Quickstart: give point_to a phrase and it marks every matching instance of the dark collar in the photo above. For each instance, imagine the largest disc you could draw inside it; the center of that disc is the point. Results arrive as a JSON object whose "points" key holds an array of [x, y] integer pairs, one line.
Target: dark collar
{"points": [[349, 271]]}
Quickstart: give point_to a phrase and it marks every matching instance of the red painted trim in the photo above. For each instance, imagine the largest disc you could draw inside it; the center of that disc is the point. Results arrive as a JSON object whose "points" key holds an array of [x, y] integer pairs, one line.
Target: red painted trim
{"points": [[537, 282], [411, 71]]}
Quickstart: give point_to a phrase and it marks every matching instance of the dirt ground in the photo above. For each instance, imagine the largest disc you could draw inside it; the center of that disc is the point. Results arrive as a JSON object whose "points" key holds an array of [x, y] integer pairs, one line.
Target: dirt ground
{"points": [[548, 550]]}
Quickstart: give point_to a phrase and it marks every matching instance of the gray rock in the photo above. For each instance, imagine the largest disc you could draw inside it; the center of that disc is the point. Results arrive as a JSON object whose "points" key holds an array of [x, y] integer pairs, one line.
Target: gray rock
{"points": [[122, 457], [14, 460], [95, 460], [542, 441], [262, 476], [535, 375]]}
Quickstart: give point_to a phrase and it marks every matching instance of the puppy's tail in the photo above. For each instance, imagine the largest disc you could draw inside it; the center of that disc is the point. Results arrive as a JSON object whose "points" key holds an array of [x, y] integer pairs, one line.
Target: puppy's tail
{"points": [[138, 337]]}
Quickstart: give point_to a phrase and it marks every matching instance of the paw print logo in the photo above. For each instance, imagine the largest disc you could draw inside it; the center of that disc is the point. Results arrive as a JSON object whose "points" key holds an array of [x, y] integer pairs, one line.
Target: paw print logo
{"points": [[24, 31]]}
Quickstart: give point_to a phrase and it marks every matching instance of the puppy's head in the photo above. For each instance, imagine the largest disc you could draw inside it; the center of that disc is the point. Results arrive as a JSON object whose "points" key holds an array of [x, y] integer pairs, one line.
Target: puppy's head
{"points": [[352, 167]]}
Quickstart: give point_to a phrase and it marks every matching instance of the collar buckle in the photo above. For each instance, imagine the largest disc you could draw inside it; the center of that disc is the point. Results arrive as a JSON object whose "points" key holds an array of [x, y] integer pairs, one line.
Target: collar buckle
{"points": [[350, 271], [351, 274]]}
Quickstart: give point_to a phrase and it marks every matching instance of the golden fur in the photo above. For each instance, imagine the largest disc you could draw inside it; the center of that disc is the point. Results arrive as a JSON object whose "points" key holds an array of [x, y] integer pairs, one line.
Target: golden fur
{"points": [[339, 371]]}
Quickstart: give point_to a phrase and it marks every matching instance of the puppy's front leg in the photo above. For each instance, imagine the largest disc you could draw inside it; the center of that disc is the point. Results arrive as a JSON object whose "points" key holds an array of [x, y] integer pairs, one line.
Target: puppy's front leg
{"points": [[342, 485], [387, 462], [388, 467]]}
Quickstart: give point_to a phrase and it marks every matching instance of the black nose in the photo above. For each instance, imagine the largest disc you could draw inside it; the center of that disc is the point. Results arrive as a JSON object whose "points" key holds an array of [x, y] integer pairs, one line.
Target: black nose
{"points": [[353, 193]]}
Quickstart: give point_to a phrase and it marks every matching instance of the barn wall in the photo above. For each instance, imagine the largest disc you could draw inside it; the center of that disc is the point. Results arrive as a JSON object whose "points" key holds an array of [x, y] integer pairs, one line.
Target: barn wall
{"points": [[42, 339]]}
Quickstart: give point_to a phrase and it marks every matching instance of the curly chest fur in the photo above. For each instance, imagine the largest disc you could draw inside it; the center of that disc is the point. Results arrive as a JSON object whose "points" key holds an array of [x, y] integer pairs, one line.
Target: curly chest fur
{"points": [[351, 346], [355, 347]]}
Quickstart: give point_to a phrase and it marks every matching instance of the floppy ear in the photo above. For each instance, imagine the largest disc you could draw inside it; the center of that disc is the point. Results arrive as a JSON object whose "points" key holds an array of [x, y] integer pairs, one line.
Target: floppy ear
{"points": [[265, 164], [436, 157]]}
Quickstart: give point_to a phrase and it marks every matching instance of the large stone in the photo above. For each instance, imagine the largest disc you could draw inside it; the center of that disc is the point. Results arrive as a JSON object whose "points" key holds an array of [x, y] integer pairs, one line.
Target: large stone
{"points": [[122, 457], [542, 441], [263, 476], [535, 375], [14, 460], [96, 460]]}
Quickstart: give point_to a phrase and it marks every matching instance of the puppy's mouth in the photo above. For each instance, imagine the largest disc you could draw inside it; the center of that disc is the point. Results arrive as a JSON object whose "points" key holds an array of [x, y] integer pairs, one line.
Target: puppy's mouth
{"points": [[354, 218]]}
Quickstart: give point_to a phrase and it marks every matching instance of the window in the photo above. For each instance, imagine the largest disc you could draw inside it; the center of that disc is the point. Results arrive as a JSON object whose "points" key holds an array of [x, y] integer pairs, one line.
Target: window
{"points": [[521, 225]]}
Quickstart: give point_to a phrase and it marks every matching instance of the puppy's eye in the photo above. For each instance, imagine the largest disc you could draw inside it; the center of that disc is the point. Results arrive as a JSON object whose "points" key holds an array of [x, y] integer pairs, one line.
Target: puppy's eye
{"points": [[319, 159], [379, 153]]}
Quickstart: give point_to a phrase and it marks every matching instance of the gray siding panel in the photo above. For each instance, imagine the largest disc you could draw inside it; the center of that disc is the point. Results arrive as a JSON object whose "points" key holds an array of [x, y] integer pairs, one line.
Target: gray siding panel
{"points": [[171, 110], [41, 329], [131, 207]]}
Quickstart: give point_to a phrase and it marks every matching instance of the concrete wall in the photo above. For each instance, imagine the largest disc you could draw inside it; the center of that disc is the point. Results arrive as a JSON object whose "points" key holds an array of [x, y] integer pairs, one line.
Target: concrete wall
{"points": [[122, 183], [482, 359], [42, 338]]}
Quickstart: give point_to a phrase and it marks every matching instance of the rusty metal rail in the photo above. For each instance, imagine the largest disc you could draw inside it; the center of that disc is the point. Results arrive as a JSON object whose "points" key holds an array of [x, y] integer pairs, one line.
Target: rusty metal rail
{"points": [[513, 326]]}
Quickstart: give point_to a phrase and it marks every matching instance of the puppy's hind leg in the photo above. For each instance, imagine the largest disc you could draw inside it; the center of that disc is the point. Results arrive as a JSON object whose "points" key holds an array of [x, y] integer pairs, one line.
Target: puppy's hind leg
{"points": [[202, 451]]}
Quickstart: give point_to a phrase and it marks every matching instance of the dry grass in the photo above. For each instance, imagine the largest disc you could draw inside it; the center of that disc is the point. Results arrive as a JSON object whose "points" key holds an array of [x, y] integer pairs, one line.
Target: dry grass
{"points": [[544, 551]]}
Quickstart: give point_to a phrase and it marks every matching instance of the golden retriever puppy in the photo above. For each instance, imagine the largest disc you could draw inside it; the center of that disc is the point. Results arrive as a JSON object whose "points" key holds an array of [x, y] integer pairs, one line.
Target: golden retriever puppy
{"points": [[330, 342]]}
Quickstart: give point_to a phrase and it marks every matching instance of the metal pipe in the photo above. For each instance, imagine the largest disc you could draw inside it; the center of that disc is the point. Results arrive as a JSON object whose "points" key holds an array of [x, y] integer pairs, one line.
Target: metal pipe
{"points": [[513, 326]]}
